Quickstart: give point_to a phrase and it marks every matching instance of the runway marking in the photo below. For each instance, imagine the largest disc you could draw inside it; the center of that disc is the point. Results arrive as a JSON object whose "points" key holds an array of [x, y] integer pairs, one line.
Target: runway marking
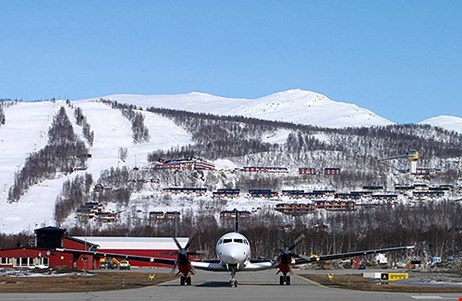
{"points": [[312, 282], [434, 298]]}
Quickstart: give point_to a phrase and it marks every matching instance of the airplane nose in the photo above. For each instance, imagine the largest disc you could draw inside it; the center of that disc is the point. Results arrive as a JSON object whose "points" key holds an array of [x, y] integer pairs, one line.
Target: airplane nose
{"points": [[233, 256]]}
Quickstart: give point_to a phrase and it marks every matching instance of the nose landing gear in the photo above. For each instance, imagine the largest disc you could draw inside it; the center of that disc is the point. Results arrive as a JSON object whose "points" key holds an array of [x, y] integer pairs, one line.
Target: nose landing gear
{"points": [[284, 279], [185, 280], [233, 270]]}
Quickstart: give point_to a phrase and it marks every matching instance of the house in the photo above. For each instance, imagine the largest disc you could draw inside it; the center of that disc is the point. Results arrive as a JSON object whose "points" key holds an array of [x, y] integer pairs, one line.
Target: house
{"points": [[331, 171], [262, 193], [265, 169], [226, 193], [307, 171], [185, 190], [190, 163], [231, 214]]}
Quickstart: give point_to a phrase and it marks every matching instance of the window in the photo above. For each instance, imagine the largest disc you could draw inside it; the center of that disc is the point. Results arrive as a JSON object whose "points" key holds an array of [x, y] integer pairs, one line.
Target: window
{"points": [[238, 240], [227, 240], [246, 242], [220, 241], [4, 260]]}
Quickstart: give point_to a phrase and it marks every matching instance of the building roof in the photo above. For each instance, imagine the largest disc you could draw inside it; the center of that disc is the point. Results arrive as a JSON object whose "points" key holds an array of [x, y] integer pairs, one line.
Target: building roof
{"points": [[50, 229], [134, 243]]}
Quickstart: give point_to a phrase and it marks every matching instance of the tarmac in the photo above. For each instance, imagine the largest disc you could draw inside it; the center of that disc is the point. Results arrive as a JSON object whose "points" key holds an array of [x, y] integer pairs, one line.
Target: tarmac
{"points": [[255, 286]]}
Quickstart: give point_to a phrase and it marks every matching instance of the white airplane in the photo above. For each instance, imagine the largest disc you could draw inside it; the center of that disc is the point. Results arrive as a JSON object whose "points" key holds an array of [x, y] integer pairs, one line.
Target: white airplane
{"points": [[234, 255]]}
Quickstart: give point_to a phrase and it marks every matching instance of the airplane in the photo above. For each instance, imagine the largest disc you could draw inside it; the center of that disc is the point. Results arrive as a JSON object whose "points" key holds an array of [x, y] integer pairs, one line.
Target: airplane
{"points": [[234, 255]]}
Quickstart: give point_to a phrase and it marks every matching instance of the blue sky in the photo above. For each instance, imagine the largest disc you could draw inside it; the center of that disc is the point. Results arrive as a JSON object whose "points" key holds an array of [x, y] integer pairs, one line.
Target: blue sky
{"points": [[400, 59]]}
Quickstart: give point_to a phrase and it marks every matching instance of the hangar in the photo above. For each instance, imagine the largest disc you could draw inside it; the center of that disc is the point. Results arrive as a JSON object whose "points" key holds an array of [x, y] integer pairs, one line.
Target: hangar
{"points": [[44, 254], [138, 246]]}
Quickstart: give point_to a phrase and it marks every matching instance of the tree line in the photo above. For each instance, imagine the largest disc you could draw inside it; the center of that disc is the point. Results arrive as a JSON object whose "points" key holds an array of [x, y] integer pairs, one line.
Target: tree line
{"points": [[356, 150], [140, 131], [63, 152], [81, 120], [435, 228], [74, 194]]}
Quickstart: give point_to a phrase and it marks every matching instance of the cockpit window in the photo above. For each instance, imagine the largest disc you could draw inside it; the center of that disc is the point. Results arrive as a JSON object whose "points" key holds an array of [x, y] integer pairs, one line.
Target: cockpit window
{"points": [[238, 240], [246, 242], [227, 240], [220, 241]]}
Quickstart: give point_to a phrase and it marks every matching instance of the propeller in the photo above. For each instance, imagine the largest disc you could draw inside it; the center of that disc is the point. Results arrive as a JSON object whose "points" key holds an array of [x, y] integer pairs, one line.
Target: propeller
{"points": [[287, 251], [286, 254], [183, 253]]}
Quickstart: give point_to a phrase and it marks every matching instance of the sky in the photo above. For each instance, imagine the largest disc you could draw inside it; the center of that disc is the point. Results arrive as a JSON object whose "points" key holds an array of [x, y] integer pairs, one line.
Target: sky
{"points": [[400, 59]]}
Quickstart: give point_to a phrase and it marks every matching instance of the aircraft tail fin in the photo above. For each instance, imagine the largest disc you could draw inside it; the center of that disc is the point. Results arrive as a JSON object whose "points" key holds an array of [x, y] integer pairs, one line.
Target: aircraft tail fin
{"points": [[236, 220]]}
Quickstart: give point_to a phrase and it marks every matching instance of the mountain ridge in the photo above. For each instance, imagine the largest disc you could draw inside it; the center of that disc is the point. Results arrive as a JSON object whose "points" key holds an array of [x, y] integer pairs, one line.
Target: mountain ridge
{"points": [[295, 105]]}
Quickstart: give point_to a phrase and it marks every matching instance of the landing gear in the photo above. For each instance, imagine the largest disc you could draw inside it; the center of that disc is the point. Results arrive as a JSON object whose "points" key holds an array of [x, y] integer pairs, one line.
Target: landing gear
{"points": [[185, 280], [284, 279], [233, 282], [233, 271]]}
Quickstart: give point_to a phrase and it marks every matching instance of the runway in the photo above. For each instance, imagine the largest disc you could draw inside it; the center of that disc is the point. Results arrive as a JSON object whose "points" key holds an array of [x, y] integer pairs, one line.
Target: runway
{"points": [[255, 286]]}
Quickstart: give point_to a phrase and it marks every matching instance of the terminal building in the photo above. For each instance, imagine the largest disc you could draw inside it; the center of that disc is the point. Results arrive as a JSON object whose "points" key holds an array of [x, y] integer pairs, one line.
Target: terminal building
{"points": [[49, 242]]}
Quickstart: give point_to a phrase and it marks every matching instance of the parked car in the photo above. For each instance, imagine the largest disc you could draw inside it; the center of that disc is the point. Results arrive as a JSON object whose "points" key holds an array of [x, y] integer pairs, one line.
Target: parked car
{"points": [[124, 265]]}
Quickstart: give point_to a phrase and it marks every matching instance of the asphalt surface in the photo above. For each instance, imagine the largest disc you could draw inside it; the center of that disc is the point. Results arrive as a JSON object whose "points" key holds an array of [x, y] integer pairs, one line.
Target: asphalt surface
{"points": [[255, 286]]}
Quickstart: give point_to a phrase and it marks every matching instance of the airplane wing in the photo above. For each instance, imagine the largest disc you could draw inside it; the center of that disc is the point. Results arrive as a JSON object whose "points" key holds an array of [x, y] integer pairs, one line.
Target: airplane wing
{"points": [[208, 265], [166, 261], [307, 259], [216, 266], [258, 265]]}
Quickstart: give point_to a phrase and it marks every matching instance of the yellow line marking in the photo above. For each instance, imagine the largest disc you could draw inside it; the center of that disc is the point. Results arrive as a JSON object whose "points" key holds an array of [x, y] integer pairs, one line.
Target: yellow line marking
{"points": [[311, 281]]}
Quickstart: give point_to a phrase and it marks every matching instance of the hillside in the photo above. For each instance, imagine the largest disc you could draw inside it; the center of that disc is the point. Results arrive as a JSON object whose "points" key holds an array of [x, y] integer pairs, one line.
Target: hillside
{"points": [[119, 160], [31, 121], [450, 123]]}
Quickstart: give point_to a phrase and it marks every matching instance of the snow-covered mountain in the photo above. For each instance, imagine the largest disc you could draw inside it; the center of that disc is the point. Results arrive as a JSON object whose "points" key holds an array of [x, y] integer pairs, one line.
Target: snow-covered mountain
{"points": [[451, 123], [295, 106], [26, 131]]}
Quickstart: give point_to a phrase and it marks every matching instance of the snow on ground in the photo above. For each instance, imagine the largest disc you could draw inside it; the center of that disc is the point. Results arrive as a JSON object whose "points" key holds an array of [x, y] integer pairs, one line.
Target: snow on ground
{"points": [[25, 131], [31, 122], [113, 131], [277, 137], [34, 210], [224, 164], [296, 106], [451, 123]]}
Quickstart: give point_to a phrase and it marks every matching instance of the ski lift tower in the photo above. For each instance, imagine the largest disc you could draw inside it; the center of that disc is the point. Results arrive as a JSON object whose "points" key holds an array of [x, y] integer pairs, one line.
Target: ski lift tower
{"points": [[411, 156]]}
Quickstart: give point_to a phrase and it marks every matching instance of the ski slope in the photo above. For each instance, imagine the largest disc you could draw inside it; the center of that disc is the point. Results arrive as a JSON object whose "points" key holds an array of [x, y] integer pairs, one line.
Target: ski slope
{"points": [[26, 131]]}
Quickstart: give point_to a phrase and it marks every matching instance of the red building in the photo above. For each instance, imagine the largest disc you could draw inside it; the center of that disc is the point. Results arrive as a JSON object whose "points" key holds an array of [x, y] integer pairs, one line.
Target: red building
{"points": [[307, 171], [44, 253], [50, 242], [137, 246], [331, 171], [265, 169], [185, 164]]}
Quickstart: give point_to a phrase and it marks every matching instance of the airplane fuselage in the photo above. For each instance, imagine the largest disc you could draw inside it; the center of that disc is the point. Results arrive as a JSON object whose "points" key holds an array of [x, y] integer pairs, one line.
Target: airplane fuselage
{"points": [[233, 250]]}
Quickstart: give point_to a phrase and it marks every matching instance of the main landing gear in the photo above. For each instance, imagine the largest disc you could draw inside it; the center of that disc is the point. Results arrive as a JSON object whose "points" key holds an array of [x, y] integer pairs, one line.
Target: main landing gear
{"points": [[185, 280], [284, 279]]}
